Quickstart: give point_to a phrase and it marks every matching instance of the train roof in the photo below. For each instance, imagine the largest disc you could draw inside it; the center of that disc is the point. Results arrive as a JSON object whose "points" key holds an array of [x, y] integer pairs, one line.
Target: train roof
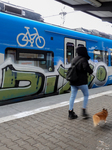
{"points": [[20, 11], [94, 32]]}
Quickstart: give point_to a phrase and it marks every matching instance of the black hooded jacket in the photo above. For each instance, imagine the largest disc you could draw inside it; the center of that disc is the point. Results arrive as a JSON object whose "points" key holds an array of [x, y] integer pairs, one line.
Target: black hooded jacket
{"points": [[82, 67]]}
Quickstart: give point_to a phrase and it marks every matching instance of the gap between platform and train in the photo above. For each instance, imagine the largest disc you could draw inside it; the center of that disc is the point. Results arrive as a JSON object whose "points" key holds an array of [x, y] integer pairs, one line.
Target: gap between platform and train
{"points": [[42, 109]]}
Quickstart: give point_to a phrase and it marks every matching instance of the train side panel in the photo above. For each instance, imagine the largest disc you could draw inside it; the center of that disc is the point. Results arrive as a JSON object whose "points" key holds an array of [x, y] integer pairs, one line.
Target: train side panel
{"points": [[35, 57]]}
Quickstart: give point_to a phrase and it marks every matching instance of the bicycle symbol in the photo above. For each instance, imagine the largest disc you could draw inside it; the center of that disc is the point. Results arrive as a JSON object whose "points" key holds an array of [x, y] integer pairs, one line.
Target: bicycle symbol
{"points": [[27, 37]]}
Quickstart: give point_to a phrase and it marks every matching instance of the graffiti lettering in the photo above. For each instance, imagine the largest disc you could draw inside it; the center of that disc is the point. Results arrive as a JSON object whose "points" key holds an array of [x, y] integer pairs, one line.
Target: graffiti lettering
{"points": [[37, 82], [10, 85]]}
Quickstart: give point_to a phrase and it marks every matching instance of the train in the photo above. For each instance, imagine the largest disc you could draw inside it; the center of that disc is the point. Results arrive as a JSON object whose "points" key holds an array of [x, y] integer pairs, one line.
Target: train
{"points": [[35, 57]]}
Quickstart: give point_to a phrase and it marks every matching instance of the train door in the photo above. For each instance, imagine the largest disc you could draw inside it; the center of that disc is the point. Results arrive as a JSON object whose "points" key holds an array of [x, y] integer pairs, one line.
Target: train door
{"points": [[69, 51], [69, 54]]}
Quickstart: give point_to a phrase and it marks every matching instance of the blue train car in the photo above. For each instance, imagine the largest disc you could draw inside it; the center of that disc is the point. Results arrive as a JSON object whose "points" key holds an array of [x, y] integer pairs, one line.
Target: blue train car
{"points": [[35, 56]]}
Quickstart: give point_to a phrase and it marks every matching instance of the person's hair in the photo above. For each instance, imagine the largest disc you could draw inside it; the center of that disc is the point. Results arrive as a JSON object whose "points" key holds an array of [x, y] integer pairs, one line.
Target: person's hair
{"points": [[82, 51]]}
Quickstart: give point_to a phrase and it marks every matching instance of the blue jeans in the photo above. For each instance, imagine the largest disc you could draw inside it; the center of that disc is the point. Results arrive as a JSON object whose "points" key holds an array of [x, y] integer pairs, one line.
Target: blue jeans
{"points": [[74, 89]]}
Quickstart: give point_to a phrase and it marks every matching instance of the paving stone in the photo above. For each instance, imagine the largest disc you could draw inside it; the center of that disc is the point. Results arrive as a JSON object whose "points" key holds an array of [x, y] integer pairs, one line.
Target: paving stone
{"points": [[21, 142], [31, 141], [54, 140], [40, 146], [28, 147], [62, 144], [15, 147], [7, 142], [50, 145], [52, 130], [4, 148], [59, 148]]}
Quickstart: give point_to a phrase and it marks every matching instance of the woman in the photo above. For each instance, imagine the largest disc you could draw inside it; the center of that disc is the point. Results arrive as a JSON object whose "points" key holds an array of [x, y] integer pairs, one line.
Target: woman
{"points": [[82, 83]]}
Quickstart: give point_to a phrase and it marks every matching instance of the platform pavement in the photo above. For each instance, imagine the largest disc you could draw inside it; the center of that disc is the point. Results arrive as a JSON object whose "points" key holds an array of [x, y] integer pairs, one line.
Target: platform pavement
{"points": [[51, 129]]}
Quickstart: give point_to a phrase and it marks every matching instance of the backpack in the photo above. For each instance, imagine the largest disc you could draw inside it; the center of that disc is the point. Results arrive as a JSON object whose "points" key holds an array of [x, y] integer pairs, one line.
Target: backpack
{"points": [[72, 72]]}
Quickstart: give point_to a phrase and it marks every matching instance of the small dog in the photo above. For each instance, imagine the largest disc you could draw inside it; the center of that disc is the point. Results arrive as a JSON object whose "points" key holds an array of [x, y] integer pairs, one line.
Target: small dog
{"points": [[100, 116]]}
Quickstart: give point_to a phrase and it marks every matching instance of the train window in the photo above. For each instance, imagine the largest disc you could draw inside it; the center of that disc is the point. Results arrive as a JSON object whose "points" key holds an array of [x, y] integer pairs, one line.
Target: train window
{"points": [[69, 52], [98, 55], [106, 57], [29, 55], [101, 56], [80, 43], [11, 54], [111, 58], [42, 59]]}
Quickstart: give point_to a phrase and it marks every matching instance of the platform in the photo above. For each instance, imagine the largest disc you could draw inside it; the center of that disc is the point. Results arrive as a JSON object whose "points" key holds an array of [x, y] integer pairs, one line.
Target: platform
{"points": [[48, 128]]}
